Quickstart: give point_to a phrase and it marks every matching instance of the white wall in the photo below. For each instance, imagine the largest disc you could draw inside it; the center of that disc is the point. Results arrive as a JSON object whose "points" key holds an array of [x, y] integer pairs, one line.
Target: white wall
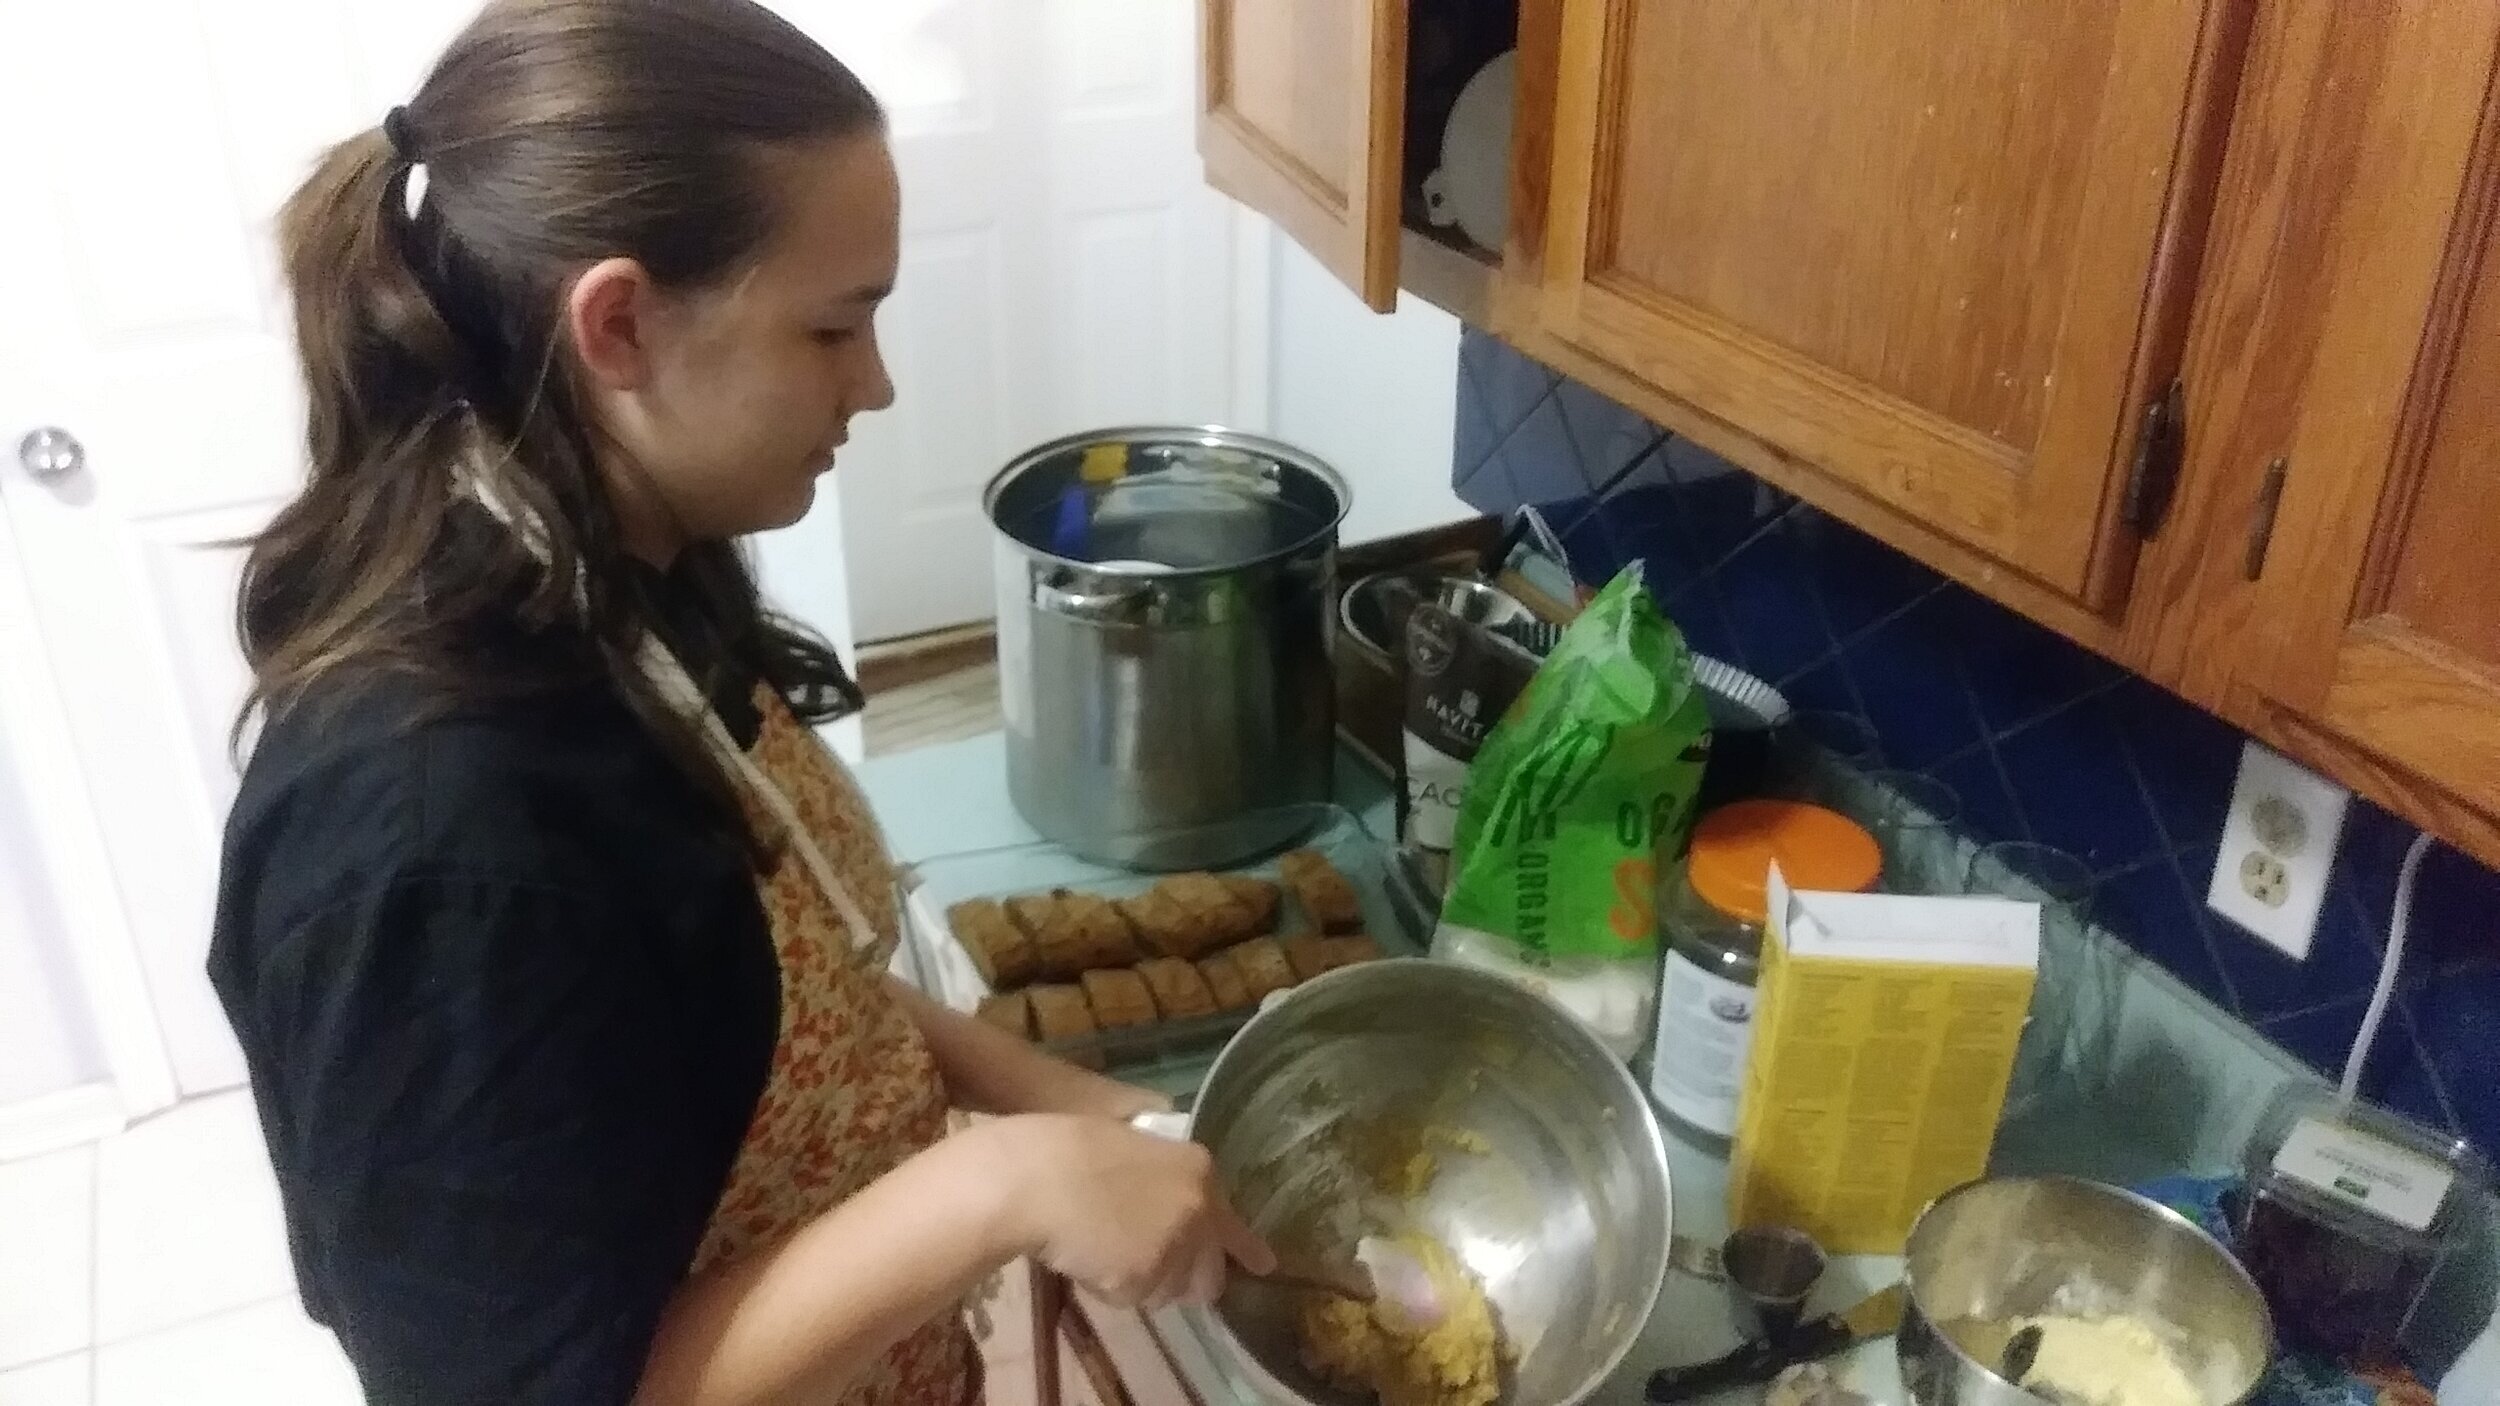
{"points": [[1374, 395]]}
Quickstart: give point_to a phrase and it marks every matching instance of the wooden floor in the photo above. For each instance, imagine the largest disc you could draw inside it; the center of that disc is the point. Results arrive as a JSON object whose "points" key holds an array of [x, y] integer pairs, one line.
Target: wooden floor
{"points": [[947, 708]]}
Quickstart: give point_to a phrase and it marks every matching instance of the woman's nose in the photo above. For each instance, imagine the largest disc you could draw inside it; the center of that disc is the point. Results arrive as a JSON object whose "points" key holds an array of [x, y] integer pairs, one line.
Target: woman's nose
{"points": [[877, 388]]}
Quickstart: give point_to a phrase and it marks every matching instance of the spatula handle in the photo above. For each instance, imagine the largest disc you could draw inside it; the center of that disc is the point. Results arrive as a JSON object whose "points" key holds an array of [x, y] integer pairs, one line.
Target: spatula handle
{"points": [[1301, 1277], [1754, 1363]]}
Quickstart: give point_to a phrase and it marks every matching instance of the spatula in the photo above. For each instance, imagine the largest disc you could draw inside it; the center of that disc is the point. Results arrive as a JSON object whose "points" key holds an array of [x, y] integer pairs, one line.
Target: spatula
{"points": [[1384, 1273]]}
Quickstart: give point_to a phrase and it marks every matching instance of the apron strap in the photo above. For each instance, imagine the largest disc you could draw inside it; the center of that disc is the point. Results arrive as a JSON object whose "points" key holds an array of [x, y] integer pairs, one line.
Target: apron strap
{"points": [[679, 689]]}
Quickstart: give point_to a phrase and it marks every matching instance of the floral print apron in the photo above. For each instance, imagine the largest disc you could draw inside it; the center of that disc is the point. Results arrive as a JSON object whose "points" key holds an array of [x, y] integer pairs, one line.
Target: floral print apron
{"points": [[853, 1089]]}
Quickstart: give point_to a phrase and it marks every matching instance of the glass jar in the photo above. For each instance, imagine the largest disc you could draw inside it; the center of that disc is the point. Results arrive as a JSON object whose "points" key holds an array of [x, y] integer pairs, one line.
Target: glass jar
{"points": [[1710, 917]]}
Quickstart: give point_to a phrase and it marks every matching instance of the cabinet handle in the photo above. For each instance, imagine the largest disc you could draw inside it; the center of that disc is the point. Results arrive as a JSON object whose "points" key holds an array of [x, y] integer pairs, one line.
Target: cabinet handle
{"points": [[2261, 526], [2160, 445]]}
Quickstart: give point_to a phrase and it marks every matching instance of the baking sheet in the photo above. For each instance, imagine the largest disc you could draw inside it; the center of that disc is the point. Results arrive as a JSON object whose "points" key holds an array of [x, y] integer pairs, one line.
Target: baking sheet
{"points": [[1392, 914]]}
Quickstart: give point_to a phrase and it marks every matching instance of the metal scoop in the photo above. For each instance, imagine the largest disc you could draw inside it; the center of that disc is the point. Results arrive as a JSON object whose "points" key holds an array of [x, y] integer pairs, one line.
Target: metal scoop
{"points": [[1774, 1269]]}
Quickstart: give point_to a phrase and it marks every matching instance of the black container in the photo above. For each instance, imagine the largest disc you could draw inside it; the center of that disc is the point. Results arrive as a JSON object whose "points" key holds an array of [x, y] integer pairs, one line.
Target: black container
{"points": [[2348, 1214]]}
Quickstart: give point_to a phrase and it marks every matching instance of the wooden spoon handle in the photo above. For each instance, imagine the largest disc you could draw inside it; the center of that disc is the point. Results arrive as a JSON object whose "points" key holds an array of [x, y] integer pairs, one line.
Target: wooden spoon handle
{"points": [[1343, 1285]]}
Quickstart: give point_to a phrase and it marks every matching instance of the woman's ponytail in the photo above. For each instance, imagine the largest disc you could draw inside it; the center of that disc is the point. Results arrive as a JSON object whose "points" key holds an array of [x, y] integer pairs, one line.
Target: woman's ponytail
{"points": [[377, 354], [383, 422]]}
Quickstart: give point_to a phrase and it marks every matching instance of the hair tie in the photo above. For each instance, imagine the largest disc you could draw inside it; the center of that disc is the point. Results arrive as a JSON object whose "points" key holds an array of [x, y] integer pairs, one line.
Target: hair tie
{"points": [[395, 131], [408, 182]]}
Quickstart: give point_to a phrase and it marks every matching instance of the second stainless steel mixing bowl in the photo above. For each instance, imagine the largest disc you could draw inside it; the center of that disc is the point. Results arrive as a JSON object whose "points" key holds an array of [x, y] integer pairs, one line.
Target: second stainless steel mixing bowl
{"points": [[2011, 1247]]}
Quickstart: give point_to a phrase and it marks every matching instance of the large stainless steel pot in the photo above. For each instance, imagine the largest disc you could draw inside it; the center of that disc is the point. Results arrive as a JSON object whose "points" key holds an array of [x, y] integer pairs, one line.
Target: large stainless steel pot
{"points": [[1164, 626]]}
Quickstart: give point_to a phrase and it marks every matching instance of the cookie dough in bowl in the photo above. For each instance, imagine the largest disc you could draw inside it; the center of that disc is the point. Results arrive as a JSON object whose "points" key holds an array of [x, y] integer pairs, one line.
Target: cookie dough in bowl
{"points": [[2116, 1361], [1370, 1348]]}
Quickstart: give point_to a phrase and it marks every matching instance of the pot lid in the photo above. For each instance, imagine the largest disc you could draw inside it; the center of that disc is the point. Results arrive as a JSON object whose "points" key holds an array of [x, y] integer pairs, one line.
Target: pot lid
{"points": [[1148, 500]]}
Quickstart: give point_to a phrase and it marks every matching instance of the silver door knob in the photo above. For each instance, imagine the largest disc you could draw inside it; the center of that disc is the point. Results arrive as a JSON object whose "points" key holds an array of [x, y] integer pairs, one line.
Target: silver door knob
{"points": [[50, 454]]}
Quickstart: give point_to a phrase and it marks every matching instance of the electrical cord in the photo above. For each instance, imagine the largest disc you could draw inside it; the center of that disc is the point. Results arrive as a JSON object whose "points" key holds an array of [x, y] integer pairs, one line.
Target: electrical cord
{"points": [[2385, 992]]}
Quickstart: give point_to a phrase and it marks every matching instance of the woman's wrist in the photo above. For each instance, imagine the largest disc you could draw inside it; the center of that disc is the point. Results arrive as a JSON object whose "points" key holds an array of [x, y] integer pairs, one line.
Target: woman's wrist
{"points": [[1027, 1162], [1005, 1160], [1094, 1095]]}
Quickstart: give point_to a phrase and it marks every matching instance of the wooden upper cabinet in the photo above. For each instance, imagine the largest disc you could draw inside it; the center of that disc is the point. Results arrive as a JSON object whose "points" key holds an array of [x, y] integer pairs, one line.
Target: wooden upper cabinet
{"points": [[2377, 599], [1939, 250], [1302, 118]]}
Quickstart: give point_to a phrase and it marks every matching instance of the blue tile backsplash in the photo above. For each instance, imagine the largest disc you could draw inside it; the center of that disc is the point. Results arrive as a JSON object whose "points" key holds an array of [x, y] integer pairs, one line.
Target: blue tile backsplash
{"points": [[2042, 739]]}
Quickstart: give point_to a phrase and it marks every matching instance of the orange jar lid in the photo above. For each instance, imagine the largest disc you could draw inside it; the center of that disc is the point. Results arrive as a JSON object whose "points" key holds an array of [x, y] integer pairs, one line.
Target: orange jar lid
{"points": [[1729, 865]]}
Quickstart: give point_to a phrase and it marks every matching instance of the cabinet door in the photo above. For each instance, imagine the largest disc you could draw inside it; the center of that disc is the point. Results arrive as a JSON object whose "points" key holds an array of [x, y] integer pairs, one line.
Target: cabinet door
{"points": [[2378, 620], [1302, 118], [1923, 246]]}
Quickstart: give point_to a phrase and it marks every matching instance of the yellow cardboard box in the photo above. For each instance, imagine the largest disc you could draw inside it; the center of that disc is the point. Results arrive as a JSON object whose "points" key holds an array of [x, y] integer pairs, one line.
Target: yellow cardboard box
{"points": [[1884, 1037]]}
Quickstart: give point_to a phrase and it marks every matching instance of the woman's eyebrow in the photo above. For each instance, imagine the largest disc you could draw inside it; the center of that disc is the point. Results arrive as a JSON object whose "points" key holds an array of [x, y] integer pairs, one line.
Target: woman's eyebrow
{"points": [[868, 293]]}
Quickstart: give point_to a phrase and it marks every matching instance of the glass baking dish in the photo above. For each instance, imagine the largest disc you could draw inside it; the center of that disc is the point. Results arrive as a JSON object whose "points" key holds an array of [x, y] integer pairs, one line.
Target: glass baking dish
{"points": [[1392, 913]]}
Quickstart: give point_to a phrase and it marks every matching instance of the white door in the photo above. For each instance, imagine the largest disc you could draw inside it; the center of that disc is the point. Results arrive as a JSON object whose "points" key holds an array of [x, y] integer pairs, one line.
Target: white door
{"points": [[79, 1044], [145, 146], [146, 150], [1064, 266]]}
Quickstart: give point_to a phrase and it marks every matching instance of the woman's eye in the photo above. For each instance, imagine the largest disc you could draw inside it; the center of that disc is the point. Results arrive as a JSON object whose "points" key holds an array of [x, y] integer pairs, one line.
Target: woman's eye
{"points": [[834, 336]]}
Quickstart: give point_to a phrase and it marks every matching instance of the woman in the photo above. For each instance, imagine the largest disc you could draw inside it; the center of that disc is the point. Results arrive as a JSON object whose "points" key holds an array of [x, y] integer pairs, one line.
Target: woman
{"points": [[554, 938]]}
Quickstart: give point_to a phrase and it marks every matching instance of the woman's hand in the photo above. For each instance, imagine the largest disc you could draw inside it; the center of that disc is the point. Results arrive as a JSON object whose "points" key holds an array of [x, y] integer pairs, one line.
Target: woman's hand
{"points": [[1137, 1219]]}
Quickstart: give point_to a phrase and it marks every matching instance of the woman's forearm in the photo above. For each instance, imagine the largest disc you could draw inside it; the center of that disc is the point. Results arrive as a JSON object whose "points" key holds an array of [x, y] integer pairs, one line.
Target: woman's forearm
{"points": [[798, 1319], [988, 1070]]}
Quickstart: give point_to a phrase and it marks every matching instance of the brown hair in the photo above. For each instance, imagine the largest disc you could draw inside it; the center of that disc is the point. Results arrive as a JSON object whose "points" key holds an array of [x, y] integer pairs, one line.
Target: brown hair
{"points": [[551, 134]]}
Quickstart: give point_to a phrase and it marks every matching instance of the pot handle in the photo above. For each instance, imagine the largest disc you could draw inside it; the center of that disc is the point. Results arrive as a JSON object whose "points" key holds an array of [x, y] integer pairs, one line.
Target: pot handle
{"points": [[1096, 607], [1171, 1127]]}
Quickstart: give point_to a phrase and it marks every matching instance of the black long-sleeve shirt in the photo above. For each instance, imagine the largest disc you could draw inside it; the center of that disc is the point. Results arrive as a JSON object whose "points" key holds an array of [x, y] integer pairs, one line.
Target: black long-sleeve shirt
{"points": [[508, 1001]]}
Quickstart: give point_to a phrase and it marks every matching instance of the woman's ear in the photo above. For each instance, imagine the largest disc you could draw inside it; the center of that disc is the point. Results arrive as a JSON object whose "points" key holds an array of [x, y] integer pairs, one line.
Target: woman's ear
{"points": [[610, 314]]}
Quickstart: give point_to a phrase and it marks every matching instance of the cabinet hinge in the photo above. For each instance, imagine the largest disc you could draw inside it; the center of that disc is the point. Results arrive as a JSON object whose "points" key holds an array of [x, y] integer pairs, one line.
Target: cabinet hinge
{"points": [[2261, 523], [2160, 446]]}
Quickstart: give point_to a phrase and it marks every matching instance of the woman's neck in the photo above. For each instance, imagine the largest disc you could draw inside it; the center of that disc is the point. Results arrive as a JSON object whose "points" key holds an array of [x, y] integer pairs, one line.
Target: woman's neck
{"points": [[648, 541], [648, 529]]}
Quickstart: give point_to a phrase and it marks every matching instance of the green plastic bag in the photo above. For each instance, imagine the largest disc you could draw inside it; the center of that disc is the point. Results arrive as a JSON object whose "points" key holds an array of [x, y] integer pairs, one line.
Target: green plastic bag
{"points": [[1584, 788]]}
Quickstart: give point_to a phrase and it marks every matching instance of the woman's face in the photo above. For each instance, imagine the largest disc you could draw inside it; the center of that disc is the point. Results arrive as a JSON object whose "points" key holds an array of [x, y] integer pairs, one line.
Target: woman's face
{"points": [[726, 403]]}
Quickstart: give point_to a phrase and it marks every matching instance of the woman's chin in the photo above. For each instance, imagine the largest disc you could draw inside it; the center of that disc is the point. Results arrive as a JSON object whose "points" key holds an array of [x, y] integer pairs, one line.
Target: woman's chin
{"points": [[800, 504], [792, 499], [785, 511]]}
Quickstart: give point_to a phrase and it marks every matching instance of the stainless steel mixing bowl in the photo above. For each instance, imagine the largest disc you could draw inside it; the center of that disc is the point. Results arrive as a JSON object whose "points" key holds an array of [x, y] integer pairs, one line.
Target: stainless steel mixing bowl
{"points": [[1999, 1250], [1549, 1179]]}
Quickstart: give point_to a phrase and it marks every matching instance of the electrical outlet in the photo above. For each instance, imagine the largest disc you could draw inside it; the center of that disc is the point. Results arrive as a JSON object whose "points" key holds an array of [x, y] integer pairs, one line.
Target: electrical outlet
{"points": [[2278, 846], [2265, 879]]}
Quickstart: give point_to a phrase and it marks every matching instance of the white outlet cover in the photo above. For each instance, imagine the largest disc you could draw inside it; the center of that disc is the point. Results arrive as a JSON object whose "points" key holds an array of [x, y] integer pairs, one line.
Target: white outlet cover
{"points": [[2265, 774]]}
